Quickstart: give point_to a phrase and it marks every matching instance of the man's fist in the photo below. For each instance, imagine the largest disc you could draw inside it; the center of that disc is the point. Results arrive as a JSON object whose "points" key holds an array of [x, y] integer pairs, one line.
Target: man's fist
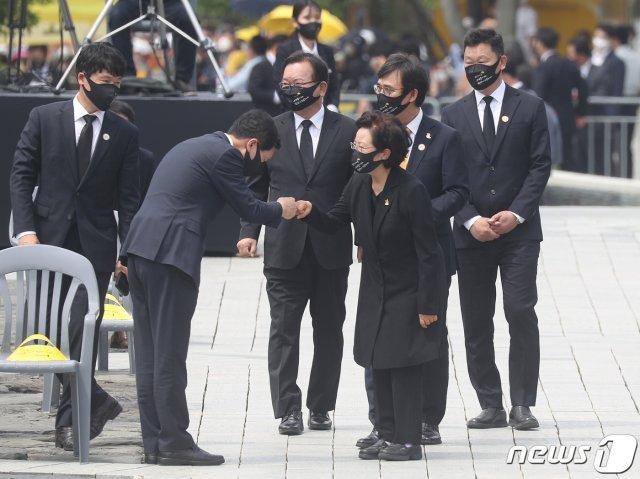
{"points": [[247, 247], [304, 208], [28, 239], [482, 231], [288, 207], [503, 222]]}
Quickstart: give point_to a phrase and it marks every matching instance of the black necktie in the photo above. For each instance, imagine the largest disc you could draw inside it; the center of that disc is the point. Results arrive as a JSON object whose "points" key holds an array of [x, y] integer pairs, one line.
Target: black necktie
{"points": [[83, 150], [306, 147], [488, 126]]}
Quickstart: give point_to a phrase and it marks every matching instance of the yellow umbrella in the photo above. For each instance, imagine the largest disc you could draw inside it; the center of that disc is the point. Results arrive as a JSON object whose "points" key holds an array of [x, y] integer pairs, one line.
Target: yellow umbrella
{"points": [[247, 33], [279, 21]]}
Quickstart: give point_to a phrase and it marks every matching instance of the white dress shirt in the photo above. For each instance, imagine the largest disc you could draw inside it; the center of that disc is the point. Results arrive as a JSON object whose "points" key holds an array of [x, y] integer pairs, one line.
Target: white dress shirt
{"points": [[496, 108], [314, 129], [78, 113], [413, 126], [314, 50]]}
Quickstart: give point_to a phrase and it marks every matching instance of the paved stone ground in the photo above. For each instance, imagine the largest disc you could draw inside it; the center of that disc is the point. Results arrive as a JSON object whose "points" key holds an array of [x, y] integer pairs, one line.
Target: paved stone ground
{"points": [[589, 310]]}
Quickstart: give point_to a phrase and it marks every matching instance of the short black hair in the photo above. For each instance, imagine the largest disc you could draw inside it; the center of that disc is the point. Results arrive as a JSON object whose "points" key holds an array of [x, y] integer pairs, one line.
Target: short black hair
{"points": [[412, 73], [547, 36], [123, 108], [276, 40], [386, 132], [256, 124], [258, 44], [582, 45], [476, 36], [39, 48], [301, 5], [319, 67], [96, 57]]}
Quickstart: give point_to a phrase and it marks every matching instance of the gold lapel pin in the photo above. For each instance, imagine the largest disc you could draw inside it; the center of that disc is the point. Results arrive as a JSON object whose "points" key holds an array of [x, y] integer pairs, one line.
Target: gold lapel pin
{"points": [[386, 202], [428, 136], [106, 137], [421, 147], [505, 118]]}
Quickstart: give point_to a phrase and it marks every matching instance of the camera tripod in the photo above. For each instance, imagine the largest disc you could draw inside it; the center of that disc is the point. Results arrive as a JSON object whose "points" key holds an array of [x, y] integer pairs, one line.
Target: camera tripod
{"points": [[155, 13]]}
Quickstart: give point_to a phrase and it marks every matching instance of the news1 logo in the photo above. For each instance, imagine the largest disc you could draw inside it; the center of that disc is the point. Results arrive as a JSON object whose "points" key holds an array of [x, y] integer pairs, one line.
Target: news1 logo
{"points": [[614, 455]]}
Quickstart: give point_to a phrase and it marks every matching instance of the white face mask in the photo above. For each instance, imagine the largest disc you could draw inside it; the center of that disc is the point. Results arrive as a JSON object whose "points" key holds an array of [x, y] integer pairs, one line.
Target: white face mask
{"points": [[601, 44], [224, 44]]}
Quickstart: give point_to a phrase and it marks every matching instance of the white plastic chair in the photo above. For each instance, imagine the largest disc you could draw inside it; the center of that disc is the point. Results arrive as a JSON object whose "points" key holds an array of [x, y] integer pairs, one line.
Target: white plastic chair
{"points": [[37, 268]]}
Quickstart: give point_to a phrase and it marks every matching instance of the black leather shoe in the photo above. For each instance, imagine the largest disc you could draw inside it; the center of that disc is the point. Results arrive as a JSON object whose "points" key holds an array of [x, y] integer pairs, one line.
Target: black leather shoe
{"points": [[64, 438], [319, 421], [430, 434], [151, 458], [189, 457], [521, 418], [400, 452], [369, 440], [372, 451], [109, 409], [184, 87], [291, 424], [488, 418]]}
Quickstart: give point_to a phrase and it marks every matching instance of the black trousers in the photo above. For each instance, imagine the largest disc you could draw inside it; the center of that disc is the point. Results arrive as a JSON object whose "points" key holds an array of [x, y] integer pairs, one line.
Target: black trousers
{"points": [[435, 380], [398, 398], [289, 290], [164, 300], [76, 326], [477, 272], [185, 52]]}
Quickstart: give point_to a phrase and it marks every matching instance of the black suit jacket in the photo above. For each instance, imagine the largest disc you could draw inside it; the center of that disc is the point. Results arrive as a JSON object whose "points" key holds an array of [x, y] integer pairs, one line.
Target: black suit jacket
{"points": [[46, 156], [262, 89], [324, 51], [148, 165], [513, 176], [610, 76], [402, 269], [193, 182], [437, 160], [285, 176], [554, 81]]}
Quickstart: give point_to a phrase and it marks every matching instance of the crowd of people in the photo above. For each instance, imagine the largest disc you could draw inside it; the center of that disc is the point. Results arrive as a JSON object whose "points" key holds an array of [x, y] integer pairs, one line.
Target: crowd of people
{"points": [[309, 174]]}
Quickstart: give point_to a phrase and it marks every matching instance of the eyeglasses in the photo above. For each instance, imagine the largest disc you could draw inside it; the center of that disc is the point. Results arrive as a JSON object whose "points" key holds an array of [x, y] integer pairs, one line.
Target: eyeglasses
{"points": [[299, 84], [385, 90], [356, 147]]}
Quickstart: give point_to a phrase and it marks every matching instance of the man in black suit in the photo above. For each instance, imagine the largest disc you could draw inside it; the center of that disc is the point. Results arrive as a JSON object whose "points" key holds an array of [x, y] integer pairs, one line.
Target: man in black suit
{"points": [[147, 161], [81, 157], [261, 87], [303, 265], [554, 80], [306, 18], [435, 157], [506, 147], [164, 249]]}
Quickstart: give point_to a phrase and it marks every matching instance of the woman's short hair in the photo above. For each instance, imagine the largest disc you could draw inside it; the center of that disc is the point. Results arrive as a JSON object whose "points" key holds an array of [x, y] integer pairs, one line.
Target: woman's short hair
{"points": [[386, 132]]}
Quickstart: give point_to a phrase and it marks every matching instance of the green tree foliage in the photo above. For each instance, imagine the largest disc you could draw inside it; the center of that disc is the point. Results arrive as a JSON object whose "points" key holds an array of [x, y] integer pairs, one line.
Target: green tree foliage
{"points": [[32, 19]]}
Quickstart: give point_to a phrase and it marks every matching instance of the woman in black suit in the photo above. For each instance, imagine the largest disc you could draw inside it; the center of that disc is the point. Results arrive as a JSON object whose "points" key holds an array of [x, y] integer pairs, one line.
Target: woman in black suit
{"points": [[402, 279], [307, 22]]}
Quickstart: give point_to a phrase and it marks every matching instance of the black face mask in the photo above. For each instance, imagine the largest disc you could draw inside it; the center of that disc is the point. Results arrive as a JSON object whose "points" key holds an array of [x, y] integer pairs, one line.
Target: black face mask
{"points": [[363, 162], [101, 94], [310, 30], [298, 98], [253, 167], [482, 76], [391, 105]]}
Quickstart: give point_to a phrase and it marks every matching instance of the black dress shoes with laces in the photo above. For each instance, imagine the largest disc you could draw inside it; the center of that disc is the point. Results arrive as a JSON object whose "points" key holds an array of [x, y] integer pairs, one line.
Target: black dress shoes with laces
{"points": [[521, 418], [373, 451], [64, 438], [369, 440], [108, 410], [319, 421], [189, 457], [430, 434], [489, 418], [401, 452], [291, 424]]}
